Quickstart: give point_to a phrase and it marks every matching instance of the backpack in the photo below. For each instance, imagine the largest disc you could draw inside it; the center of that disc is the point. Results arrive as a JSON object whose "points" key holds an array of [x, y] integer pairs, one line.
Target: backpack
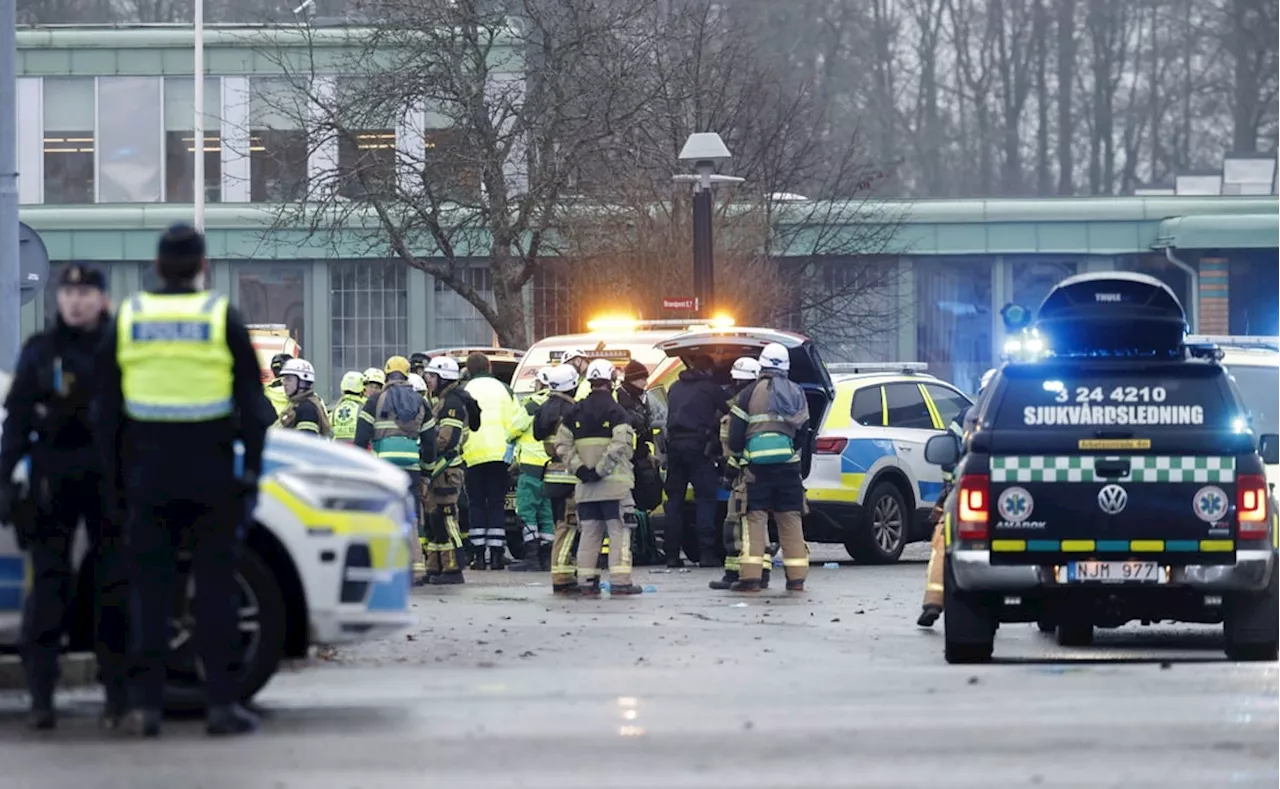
{"points": [[644, 546]]}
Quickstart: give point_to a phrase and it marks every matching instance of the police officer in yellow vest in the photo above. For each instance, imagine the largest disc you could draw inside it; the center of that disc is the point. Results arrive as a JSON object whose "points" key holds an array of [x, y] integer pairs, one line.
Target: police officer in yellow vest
{"points": [[532, 508], [180, 385], [346, 412], [305, 411], [768, 423], [274, 389]]}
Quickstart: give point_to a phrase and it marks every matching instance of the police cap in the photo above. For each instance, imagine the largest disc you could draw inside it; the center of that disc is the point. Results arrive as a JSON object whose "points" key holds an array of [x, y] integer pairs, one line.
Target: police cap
{"points": [[78, 274]]}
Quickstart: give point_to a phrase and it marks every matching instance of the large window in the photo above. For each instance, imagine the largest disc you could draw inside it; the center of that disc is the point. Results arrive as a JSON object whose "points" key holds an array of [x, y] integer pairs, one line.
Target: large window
{"points": [[370, 309], [554, 307], [278, 146], [366, 144], [450, 174], [180, 141], [68, 140], [129, 144], [953, 318], [274, 294], [1251, 298], [457, 322]]}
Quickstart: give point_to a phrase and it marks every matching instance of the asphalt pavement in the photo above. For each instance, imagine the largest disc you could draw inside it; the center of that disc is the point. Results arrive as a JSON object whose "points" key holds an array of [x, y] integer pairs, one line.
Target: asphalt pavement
{"points": [[501, 685]]}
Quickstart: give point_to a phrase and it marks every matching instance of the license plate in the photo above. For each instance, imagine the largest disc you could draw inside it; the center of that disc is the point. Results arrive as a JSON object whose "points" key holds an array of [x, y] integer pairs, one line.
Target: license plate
{"points": [[1114, 573]]}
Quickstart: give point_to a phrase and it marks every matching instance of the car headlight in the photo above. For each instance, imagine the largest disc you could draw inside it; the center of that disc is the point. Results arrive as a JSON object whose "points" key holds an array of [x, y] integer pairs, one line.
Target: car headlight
{"points": [[324, 490]]}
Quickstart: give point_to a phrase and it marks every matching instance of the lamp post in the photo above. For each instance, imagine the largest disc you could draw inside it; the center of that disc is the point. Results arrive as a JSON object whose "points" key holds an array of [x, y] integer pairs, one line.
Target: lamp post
{"points": [[704, 150], [10, 279], [197, 188]]}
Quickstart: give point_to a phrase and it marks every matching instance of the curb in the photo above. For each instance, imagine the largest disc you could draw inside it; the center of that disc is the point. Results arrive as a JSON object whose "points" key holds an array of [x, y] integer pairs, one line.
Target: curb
{"points": [[78, 669]]}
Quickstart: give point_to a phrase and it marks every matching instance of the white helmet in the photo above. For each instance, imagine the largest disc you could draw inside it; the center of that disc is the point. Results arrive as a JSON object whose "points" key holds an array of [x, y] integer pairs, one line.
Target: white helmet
{"points": [[571, 354], [775, 357], [444, 366], [745, 369], [562, 379], [601, 370], [417, 383], [544, 376], [352, 383], [300, 368], [986, 379]]}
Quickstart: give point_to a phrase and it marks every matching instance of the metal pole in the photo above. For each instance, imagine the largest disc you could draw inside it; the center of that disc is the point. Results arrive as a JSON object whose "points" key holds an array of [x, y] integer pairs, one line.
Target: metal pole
{"points": [[703, 277], [197, 187], [10, 278]]}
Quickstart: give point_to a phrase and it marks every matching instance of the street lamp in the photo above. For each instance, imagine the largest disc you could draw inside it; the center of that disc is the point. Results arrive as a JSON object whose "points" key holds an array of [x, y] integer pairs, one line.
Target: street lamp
{"points": [[704, 150], [197, 171]]}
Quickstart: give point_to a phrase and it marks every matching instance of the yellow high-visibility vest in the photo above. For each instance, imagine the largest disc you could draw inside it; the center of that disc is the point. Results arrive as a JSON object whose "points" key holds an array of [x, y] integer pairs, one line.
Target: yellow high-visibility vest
{"points": [[175, 365]]}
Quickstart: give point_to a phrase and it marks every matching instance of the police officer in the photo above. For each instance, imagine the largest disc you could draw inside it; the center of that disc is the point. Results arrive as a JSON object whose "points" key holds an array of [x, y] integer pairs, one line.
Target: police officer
{"points": [[596, 440], [745, 372], [346, 412], [442, 472], [48, 421], [274, 389], [305, 411], [180, 385], [768, 423], [931, 608], [695, 404], [532, 508], [558, 481], [487, 473], [418, 363], [394, 422]]}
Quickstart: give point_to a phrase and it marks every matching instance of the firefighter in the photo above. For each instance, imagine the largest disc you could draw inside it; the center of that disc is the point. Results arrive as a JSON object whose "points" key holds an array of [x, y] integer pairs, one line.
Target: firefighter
{"points": [[745, 372], [596, 440], [346, 412], [374, 380], [419, 385], [558, 482], [306, 410], [532, 508], [47, 420], [931, 608], [768, 423], [179, 386], [394, 422], [418, 364], [442, 471], [274, 389]]}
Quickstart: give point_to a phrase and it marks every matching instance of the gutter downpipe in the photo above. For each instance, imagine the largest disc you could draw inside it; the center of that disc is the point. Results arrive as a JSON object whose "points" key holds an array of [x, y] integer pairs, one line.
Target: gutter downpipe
{"points": [[1194, 276]]}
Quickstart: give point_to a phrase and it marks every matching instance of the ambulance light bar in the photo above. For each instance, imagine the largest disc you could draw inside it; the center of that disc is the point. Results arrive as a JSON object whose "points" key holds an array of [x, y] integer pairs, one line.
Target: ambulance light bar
{"points": [[877, 367], [1224, 341]]}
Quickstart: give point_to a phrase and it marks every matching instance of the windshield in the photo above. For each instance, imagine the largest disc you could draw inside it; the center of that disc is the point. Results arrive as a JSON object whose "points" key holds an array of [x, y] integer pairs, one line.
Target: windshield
{"points": [[1260, 387], [618, 352]]}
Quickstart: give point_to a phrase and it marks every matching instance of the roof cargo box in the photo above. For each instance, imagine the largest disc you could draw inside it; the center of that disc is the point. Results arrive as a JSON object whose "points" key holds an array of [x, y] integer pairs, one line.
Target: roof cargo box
{"points": [[1112, 314]]}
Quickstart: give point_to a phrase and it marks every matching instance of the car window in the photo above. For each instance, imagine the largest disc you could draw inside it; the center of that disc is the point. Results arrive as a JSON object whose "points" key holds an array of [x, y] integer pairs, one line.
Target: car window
{"points": [[907, 408], [866, 407], [1260, 388], [948, 401]]}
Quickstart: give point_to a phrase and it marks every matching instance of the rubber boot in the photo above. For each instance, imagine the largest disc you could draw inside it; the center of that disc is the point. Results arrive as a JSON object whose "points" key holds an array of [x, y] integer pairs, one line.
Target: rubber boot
{"points": [[745, 586], [544, 556], [529, 561], [928, 615], [795, 586], [764, 578], [726, 582], [497, 558], [570, 588], [477, 561], [590, 588], [447, 579]]}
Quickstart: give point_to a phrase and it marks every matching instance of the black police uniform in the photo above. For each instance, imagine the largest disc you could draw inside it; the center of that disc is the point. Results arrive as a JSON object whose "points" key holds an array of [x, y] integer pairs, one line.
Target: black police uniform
{"points": [[48, 419], [695, 404], [181, 489]]}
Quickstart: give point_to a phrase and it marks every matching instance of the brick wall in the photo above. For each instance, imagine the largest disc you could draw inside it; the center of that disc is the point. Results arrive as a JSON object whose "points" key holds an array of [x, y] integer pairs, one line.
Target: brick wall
{"points": [[1214, 297]]}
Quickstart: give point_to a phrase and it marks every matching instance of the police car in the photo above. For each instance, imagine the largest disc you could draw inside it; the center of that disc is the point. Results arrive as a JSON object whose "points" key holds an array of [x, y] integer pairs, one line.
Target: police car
{"points": [[1115, 480], [328, 562], [1254, 364], [870, 487]]}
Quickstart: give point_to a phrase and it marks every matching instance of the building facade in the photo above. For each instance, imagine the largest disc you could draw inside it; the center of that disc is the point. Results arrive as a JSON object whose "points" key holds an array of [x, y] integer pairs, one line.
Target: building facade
{"points": [[106, 146]]}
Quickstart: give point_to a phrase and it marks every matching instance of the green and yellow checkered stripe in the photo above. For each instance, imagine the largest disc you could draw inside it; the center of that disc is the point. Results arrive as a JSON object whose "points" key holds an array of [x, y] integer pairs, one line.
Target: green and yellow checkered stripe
{"points": [[1142, 468]]}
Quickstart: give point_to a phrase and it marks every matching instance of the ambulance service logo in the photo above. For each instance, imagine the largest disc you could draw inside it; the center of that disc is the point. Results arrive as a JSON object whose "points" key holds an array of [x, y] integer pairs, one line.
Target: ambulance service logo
{"points": [[1015, 505]]}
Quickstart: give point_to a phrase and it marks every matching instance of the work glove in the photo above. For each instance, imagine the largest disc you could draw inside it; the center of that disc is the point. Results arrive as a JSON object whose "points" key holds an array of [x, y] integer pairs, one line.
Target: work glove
{"points": [[587, 474]]}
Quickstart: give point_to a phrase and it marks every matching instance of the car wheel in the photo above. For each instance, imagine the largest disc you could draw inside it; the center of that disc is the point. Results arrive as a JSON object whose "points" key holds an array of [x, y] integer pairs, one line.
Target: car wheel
{"points": [[969, 623], [261, 627], [1076, 635], [882, 535], [1251, 622]]}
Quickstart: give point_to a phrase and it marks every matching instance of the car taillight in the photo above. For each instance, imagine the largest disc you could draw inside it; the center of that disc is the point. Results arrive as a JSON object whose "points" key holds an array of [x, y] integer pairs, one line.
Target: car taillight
{"points": [[1251, 506], [831, 445], [973, 493]]}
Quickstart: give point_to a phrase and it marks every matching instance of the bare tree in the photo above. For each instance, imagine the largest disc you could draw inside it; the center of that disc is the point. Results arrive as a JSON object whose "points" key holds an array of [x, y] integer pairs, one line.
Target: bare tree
{"points": [[1251, 38], [1066, 61]]}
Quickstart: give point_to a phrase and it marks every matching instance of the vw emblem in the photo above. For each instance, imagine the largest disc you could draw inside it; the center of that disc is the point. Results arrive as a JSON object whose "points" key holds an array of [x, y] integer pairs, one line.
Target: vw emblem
{"points": [[1112, 499]]}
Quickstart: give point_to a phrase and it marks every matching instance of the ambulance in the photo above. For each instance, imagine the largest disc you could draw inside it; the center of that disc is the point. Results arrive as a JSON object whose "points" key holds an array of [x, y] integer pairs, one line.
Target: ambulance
{"points": [[327, 562], [268, 340]]}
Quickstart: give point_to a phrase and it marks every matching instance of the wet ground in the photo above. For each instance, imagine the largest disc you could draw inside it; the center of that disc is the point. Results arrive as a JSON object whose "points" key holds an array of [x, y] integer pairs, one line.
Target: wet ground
{"points": [[502, 685]]}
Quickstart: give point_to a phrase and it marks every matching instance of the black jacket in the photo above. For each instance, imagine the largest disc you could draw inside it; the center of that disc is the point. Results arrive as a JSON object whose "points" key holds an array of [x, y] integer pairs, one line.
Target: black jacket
{"points": [[48, 403], [192, 460], [637, 409], [695, 404]]}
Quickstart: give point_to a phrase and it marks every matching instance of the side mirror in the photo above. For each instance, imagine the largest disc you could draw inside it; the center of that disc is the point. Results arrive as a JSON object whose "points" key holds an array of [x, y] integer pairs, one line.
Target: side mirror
{"points": [[943, 450], [1269, 448]]}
